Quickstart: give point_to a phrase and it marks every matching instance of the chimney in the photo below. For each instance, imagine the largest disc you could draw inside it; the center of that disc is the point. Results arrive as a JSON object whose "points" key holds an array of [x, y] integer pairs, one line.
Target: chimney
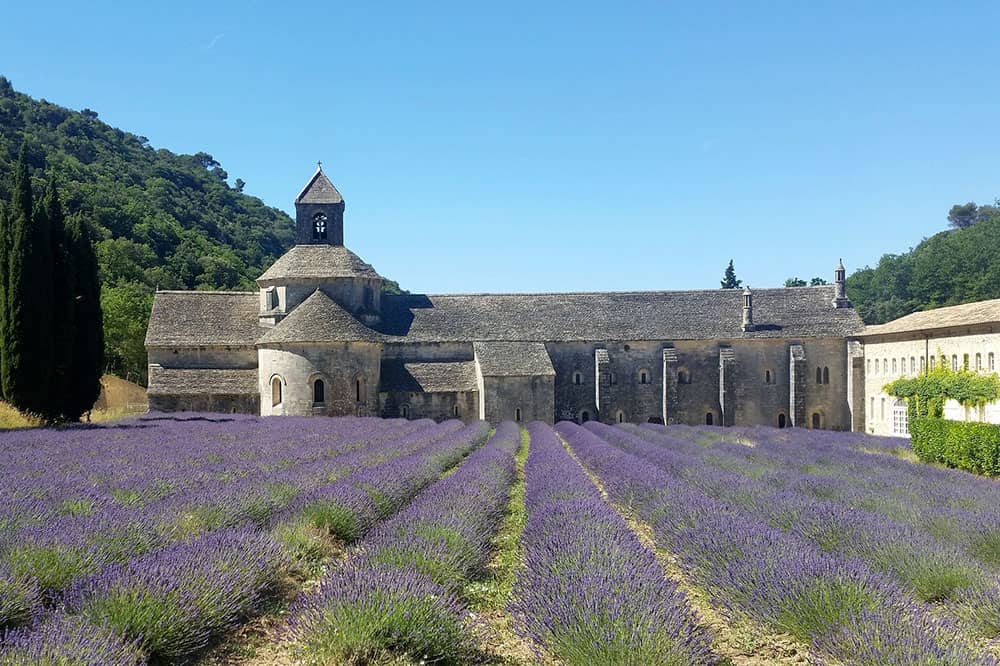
{"points": [[747, 309], [840, 282]]}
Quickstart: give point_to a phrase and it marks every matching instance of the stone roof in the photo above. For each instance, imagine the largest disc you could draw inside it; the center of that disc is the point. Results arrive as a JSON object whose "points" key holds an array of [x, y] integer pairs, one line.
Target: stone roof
{"points": [[513, 359], [319, 190], [202, 381], [317, 262], [428, 377], [319, 319], [969, 314], [799, 312], [203, 318]]}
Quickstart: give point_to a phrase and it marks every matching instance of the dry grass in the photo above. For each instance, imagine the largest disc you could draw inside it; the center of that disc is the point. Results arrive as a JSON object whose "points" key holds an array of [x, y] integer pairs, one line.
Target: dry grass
{"points": [[11, 418]]}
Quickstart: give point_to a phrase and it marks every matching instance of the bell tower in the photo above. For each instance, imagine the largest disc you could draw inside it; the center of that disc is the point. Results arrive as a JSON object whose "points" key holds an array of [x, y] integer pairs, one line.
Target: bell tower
{"points": [[319, 212]]}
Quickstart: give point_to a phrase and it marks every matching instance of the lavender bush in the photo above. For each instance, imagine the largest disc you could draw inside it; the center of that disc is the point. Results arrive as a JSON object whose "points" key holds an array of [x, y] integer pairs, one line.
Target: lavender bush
{"points": [[397, 593], [64, 640], [589, 590]]}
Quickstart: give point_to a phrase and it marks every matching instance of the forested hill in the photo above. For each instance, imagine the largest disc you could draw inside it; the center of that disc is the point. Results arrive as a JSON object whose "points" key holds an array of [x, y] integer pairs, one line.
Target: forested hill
{"points": [[960, 265], [161, 219]]}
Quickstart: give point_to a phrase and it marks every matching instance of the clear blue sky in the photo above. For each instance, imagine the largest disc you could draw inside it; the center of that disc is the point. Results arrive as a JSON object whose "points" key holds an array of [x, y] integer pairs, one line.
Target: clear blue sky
{"points": [[525, 146]]}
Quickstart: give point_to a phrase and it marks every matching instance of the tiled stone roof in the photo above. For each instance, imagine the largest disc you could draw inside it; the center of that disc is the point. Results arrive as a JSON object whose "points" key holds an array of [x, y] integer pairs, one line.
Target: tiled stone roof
{"points": [[799, 312], [317, 262], [201, 381], [969, 314], [428, 377], [319, 190], [203, 318], [513, 359], [319, 319]]}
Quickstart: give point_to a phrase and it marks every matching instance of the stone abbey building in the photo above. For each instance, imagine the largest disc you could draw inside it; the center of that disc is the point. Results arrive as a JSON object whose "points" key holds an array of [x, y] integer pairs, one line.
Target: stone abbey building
{"points": [[321, 337]]}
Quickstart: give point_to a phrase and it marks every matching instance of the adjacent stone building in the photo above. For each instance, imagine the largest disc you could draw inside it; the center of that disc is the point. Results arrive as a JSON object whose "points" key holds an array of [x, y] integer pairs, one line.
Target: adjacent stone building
{"points": [[321, 337], [962, 336]]}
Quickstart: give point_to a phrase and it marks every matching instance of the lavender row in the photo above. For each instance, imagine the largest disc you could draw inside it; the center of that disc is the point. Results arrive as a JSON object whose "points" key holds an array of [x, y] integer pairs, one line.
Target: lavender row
{"points": [[840, 605], [164, 606], [932, 569], [589, 590], [397, 594], [40, 561]]}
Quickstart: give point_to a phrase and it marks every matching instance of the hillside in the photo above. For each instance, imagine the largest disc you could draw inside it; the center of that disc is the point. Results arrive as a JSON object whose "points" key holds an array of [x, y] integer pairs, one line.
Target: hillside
{"points": [[955, 266], [161, 219]]}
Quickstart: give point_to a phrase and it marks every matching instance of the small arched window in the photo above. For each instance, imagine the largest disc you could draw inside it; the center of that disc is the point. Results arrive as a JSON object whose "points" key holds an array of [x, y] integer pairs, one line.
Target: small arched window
{"points": [[954, 362], [923, 363], [584, 416], [782, 422], [819, 375], [979, 362], [644, 376], [621, 416], [991, 362], [683, 376], [933, 361], [578, 378], [893, 366], [871, 412], [965, 361], [768, 377], [319, 226], [913, 365], [869, 366], [709, 418], [517, 414], [275, 391], [826, 374], [405, 411], [319, 391], [360, 391], [817, 421]]}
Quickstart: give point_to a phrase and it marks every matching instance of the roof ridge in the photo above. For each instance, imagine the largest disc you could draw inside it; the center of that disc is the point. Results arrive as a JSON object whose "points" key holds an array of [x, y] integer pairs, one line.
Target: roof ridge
{"points": [[212, 292], [637, 292]]}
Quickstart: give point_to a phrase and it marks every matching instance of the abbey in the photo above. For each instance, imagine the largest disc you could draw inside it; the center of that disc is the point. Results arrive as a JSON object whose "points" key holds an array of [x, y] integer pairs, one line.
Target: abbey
{"points": [[321, 337]]}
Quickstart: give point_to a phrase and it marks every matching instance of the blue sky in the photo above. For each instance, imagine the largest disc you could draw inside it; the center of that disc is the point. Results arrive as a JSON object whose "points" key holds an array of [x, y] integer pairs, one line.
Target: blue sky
{"points": [[559, 146]]}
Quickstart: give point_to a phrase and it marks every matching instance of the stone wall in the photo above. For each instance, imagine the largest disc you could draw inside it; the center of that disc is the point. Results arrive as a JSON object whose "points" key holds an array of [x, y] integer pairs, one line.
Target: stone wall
{"points": [[230, 404], [502, 397], [334, 223], [204, 357], [440, 406], [338, 365]]}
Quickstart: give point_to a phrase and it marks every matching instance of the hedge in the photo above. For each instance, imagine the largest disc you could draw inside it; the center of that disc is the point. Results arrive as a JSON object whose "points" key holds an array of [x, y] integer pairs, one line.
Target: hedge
{"points": [[974, 447]]}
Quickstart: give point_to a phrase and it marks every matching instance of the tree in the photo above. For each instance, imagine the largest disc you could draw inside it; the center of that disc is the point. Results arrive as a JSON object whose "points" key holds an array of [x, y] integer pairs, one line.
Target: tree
{"points": [[795, 282], [16, 376], [88, 341], [729, 280], [962, 216], [64, 308], [817, 282], [239, 185], [4, 243]]}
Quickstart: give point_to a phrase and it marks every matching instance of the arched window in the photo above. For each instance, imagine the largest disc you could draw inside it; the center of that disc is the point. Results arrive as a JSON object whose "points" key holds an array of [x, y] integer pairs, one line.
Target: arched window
{"points": [[869, 366], [885, 365], [644, 376], [933, 358], [709, 418], [405, 411], [819, 375], [871, 412], [319, 391], [991, 362], [517, 414], [578, 378], [768, 377], [584, 416], [826, 374], [817, 421], [455, 411], [876, 366], [275, 391], [782, 421], [882, 410], [683, 376], [965, 361], [913, 365], [954, 362], [319, 226], [893, 366], [360, 388], [923, 363], [621, 416], [979, 362]]}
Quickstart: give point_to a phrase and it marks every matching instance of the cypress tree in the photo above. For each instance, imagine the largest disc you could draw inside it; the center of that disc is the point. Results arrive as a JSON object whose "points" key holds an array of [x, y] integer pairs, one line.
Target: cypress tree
{"points": [[87, 359], [4, 242], [63, 307], [16, 371]]}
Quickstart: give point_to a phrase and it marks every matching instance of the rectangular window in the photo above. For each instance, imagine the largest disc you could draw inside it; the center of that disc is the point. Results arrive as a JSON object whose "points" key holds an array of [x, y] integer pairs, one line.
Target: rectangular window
{"points": [[900, 419], [882, 410], [893, 366], [871, 412], [992, 362]]}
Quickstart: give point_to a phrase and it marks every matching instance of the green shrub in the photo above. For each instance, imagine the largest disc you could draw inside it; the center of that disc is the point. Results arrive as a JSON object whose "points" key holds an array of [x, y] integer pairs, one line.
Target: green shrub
{"points": [[974, 447]]}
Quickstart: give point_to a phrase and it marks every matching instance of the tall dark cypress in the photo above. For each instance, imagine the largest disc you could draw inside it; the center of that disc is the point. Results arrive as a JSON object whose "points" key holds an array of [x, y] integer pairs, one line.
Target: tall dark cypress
{"points": [[88, 322], [17, 379], [63, 307]]}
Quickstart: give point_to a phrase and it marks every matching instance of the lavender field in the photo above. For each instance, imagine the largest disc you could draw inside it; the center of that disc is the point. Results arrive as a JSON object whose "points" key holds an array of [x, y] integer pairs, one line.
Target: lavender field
{"points": [[211, 539]]}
